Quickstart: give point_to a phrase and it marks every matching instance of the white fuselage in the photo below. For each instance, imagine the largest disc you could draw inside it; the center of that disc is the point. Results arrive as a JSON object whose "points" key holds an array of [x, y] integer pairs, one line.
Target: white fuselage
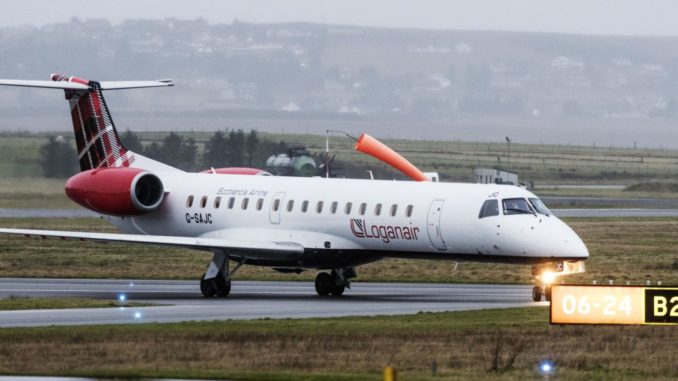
{"points": [[340, 217]]}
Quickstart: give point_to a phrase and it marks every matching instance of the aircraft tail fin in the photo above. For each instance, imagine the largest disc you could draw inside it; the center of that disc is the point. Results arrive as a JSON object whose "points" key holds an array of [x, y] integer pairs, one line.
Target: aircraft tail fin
{"points": [[96, 137]]}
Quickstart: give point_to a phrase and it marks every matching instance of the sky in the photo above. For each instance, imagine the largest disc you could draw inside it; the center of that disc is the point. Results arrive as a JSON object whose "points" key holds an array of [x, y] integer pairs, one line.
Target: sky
{"points": [[600, 17]]}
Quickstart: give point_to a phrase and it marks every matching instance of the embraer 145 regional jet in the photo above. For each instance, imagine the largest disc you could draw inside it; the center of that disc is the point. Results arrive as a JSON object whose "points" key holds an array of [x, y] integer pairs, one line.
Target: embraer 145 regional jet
{"points": [[292, 223]]}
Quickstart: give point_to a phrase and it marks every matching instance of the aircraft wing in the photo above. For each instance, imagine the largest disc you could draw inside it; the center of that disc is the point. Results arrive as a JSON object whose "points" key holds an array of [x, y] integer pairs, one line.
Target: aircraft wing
{"points": [[259, 250]]}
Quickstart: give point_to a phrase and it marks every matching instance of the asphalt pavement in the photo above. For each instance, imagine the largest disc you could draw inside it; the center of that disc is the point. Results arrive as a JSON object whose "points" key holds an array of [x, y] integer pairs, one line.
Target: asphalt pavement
{"points": [[178, 301]]}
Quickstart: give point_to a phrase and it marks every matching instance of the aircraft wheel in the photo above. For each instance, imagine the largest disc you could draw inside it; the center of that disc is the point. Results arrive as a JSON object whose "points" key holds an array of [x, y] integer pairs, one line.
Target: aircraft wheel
{"points": [[547, 293], [338, 290], [224, 289], [207, 287], [536, 293], [323, 284]]}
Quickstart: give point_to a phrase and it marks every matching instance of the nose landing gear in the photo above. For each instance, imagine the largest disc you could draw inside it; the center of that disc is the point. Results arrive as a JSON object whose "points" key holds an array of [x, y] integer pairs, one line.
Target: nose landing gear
{"points": [[545, 274], [539, 291]]}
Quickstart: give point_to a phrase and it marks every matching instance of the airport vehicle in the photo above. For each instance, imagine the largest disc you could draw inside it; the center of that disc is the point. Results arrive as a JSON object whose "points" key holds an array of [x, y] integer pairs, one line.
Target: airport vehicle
{"points": [[292, 223]]}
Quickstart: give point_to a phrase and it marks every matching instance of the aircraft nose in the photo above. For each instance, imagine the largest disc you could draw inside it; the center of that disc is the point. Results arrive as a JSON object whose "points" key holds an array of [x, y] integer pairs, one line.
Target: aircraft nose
{"points": [[573, 246]]}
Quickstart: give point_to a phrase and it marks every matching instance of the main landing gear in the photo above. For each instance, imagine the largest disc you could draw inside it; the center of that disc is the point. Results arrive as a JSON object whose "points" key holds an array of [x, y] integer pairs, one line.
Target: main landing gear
{"points": [[334, 283], [217, 279]]}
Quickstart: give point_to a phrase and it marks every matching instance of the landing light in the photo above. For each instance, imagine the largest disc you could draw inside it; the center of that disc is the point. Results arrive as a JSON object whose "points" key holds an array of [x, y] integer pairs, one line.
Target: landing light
{"points": [[548, 277], [137, 315]]}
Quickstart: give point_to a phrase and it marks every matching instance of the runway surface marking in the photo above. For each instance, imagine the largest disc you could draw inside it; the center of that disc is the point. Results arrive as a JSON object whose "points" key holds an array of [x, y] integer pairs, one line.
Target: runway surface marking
{"points": [[179, 301]]}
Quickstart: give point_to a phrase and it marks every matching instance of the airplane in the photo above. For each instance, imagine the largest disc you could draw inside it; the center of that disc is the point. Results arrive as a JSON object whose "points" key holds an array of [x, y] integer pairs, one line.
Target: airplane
{"points": [[294, 224]]}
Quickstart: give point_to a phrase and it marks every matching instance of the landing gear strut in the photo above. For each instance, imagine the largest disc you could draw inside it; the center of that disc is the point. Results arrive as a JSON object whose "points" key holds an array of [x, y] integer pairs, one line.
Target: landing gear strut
{"points": [[217, 280], [334, 283]]}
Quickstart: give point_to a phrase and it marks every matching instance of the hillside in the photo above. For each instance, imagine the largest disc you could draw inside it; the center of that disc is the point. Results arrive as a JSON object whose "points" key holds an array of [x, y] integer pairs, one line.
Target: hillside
{"points": [[536, 88]]}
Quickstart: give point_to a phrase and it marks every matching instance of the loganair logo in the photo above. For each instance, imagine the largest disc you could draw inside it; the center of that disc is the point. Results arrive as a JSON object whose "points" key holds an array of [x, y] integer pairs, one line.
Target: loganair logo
{"points": [[386, 233]]}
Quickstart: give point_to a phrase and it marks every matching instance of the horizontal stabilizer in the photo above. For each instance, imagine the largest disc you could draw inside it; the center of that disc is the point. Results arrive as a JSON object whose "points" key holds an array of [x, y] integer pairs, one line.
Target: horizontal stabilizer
{"points": [[119, 85], [44, 84], [105, 85]]}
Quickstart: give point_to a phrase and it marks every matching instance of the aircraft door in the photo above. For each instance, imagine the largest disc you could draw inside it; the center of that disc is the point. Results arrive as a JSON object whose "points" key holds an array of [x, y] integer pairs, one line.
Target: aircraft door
{"points": [[433, 224], [276, 207]]}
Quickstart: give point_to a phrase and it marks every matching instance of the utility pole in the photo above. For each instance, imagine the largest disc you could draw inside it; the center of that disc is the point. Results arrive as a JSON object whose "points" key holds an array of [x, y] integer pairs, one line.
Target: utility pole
{"points": [[508, 149]]}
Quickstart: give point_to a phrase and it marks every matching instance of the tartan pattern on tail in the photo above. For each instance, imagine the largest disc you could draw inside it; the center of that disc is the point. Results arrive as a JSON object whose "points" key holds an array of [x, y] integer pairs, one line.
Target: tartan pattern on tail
{"points": [[97, 140]]}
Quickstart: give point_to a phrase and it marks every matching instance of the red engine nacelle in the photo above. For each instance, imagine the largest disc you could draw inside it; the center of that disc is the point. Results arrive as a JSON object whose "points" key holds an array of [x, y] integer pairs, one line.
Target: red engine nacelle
{"points": [[238, 171], [116, 191]]}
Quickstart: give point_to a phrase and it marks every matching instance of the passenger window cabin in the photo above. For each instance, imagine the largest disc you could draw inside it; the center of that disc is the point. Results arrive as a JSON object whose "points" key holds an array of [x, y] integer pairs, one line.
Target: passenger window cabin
{"points": [[347, 209], [408, 211], [189, 201], [217, 202], [363, 208], [231, 202], [260, 203], [377, 210], [394, 210], [319, 207], [290, 205], [304, 206], [276, 204], [245, 202], [334, 207], [203, 201]]}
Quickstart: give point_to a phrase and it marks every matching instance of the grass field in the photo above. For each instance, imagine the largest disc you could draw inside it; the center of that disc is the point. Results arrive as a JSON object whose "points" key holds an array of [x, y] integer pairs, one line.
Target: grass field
{"points": [[624, 250], [503, 344], [22, 303]]}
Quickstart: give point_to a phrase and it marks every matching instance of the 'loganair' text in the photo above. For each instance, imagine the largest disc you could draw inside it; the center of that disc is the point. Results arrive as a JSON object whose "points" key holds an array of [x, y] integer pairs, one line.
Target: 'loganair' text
{"points": [[386, 233]]}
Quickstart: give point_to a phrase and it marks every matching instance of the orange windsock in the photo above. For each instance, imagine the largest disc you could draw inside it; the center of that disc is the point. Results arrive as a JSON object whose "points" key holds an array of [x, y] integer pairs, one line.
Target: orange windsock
{"points": [[373, 147]]}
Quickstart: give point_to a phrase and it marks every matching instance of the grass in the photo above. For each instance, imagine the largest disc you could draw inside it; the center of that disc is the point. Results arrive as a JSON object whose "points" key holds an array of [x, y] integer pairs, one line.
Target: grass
{"points": [[465, 345], [34, 193], [24, 303], [624, 250]]}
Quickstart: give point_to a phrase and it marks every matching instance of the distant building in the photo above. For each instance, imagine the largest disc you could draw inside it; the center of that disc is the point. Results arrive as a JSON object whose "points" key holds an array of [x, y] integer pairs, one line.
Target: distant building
{"points": [[495, 176]]}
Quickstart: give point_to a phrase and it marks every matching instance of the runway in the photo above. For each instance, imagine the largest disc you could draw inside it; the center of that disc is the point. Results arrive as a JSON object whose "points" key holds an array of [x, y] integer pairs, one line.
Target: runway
{"points": [[179, 301]]}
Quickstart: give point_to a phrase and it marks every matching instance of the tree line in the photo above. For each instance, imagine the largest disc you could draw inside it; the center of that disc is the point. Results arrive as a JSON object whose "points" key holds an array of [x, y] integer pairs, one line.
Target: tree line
{"points": [[224, 148]]}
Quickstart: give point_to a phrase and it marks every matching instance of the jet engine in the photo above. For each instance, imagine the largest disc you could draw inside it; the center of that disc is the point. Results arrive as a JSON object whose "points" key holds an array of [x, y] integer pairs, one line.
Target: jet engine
{"points": [[116, 191]]}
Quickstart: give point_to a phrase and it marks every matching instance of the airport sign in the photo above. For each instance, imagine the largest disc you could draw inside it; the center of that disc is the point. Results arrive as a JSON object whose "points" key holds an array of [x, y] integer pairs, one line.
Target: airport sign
{"points": [[635, 305]]}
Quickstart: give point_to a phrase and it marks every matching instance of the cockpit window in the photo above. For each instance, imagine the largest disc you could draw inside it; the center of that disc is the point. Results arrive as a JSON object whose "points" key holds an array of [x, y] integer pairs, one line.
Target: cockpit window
{"points": [[539, 206], [489, 208], [516, 206]]}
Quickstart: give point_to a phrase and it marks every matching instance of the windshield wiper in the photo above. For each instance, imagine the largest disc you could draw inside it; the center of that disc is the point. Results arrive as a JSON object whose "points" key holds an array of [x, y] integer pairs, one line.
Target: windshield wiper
{"points": [[519, 211]]}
